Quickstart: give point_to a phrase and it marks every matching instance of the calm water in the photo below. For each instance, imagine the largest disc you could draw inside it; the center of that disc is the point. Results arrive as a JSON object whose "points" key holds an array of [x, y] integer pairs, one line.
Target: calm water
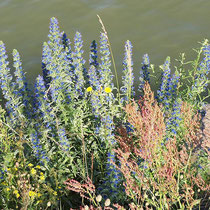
{"points": [[156, 27]]}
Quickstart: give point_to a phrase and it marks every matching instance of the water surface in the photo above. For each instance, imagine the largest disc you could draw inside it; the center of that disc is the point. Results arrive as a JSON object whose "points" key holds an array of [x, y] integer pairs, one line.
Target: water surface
{"points": [[156, 27]]}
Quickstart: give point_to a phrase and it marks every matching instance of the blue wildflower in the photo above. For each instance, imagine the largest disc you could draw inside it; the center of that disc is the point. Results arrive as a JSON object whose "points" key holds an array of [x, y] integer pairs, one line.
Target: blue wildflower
{"points": [[174, 120], [93, 54], [105, 64], [144, 73], [201, 80], [63, 139], [78, 63], [37, 148]]}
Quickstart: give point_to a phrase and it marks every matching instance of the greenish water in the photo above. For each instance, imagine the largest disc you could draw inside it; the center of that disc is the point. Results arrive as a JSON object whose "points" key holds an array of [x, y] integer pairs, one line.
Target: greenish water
{"points": [[156, 27]]}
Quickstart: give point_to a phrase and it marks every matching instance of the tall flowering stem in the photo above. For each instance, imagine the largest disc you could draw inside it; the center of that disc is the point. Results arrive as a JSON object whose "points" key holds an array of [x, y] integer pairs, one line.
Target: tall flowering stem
{"points": [[78, 63], [201, 80], [174, 120], [112, 56], [44, 109], [111, 187], [37, 148], [93, 54], [20, 76], [144, 73], [21, 90], [165, 80], [128, 78], [58, 65], [14, 101], [105, 64], [167, 93]]}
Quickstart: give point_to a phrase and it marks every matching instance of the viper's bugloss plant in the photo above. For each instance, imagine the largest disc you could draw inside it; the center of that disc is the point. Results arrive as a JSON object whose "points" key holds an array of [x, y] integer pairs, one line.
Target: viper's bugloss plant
{"points": [[144, 72], [79, 64], [93, 54], [128, 79], [105, 73], [13, 92]]}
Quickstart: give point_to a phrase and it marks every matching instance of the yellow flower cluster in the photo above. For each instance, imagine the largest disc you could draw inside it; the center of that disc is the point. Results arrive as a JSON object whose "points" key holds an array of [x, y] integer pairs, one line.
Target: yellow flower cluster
{"points": [[33, 171], [34, 194], [107, 89], [42, 176], [16, 193], [30, 165]]}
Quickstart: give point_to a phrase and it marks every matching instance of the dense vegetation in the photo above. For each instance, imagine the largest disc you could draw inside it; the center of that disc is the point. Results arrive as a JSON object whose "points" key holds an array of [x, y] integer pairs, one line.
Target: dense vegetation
{"points": [[77, 141]]}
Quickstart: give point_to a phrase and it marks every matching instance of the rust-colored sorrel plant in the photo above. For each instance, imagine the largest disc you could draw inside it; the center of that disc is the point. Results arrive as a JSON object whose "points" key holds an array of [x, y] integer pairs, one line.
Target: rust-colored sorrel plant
{"points": [[87, 190], [161, 173]]}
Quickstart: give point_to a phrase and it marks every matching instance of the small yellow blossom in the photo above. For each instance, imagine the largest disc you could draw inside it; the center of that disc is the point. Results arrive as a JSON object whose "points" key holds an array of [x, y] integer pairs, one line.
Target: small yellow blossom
{"points": [[30, 165], [32, 193], [108, 90], [16, 169], [7, 189], [15, 191], [89, 89], [39, 195], [8, 169], [42, 178], [55, 193], [33, 171], [41, 173], [38, 167]]}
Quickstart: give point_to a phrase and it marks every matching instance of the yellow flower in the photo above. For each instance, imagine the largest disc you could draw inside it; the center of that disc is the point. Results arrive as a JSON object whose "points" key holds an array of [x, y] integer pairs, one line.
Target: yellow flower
{"points": [[108, 90], [30, 165], [38, 167], [7, 189], [42, 178], [15, 191], [16, 169], [33, 171], [55, 193], [39, 195], [89, 89], [32, 193], [41, 173]]}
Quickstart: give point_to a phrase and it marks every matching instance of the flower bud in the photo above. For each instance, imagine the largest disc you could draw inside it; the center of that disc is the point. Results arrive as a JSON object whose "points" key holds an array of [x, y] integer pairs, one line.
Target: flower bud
{"points": [[107, 202], [99, 198]]}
